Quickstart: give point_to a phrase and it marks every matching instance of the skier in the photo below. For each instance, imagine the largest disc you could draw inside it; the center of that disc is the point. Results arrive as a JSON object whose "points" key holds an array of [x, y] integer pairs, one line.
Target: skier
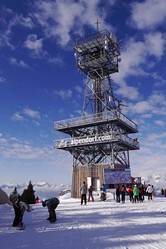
{"points": [[135, 194], [51, 204], [103, 188], [83, 191], [117, 194], [123, 193], [90, 190], [103, 196], [130, 192], [141, 193], [162, 191], [19, 208], [149, 190]]}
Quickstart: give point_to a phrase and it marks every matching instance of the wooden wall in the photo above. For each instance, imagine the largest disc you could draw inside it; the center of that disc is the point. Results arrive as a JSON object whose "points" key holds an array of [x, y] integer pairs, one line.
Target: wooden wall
{"points": [[81, 173]]}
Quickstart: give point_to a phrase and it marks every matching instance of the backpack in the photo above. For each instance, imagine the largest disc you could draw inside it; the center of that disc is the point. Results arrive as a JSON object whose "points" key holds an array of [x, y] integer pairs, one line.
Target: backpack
{"points": [[14, 197]]}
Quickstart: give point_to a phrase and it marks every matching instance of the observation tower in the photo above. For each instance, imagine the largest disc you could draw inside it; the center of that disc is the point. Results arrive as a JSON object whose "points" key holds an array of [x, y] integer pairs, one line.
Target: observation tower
{"points": [[100, 138]]}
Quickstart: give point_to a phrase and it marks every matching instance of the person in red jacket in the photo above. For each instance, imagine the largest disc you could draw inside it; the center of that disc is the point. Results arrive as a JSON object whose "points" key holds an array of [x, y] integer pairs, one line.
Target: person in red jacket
{"points": [[165, 192], [90, 191], [130, 192]]}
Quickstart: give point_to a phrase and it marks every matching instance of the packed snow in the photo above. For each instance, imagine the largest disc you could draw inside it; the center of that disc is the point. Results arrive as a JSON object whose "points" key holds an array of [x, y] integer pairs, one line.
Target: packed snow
{"points": [[99, 224]]}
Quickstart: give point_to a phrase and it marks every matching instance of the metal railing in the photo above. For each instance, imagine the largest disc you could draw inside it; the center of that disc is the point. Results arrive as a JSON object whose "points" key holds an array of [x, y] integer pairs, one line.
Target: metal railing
{"points": [[95, 118]]}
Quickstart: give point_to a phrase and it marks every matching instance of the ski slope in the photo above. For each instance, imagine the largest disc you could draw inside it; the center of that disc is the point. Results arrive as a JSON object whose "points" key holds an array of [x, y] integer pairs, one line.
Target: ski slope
{"points": [[98, 225]]}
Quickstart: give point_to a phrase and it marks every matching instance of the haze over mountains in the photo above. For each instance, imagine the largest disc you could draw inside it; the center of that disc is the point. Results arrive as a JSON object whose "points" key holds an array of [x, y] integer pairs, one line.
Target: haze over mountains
{"points": [[45, 189], [42, 189]]}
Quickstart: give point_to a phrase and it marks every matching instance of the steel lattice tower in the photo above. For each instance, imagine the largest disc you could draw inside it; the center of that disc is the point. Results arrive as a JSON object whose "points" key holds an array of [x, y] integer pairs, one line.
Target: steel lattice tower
{"points": [[101, 134]]}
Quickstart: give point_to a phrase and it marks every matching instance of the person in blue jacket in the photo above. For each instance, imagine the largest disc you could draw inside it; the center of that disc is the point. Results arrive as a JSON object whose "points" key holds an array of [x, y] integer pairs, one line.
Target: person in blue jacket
{"points": [[103, 188]]}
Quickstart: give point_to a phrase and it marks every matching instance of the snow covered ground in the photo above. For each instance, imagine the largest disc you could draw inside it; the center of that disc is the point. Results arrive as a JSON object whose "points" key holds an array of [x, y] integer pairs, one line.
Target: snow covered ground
{"points": [[98, 225]]}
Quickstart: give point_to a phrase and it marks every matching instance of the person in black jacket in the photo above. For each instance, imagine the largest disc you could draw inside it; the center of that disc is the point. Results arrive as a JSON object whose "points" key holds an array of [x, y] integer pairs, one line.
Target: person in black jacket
{"points": [[123, 193], [19, 208], [51, 204], [117, 194]]}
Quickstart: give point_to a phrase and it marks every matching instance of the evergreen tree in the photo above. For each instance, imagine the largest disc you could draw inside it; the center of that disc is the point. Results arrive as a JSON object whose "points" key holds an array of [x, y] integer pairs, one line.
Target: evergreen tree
{"points": [[28, 195]]}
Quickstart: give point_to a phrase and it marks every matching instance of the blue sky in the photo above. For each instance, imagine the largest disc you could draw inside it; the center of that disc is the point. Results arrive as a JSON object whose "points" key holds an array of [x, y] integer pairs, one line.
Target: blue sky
{"points": [[40, 83]]}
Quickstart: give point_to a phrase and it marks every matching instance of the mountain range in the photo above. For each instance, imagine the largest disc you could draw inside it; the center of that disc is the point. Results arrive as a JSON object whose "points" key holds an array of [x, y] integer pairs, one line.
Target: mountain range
{"points": [[45, 189]]}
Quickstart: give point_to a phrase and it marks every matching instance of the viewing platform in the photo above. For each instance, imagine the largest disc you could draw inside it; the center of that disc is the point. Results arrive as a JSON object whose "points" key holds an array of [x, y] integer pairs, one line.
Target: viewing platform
{"points": [[100, 50], [107, 117]]}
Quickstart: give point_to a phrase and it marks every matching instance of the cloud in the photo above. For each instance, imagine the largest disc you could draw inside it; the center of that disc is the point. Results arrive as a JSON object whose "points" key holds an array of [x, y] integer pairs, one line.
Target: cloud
{"points": [[127, 91], [141, 107], [25, 21], [18, 117], [22, 153], [151, 156], [2, 80], [145, 164], [149, 14], [9, 20], [33, 43], [63, 93], [25, 114], [20, 63], [31, 113], [135, 57], [160, 123], [42, 189], [14, 148], [155, 104], [78, 89], [8, 37], [3, 141], [155, 44], [140, 59], [57, 22]]}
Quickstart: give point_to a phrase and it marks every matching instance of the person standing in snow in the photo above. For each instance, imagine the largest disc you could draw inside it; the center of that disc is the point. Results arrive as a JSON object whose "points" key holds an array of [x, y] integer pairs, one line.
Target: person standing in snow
{"points": [[130, 192], [141, 193], [103, 188], [123, 193], [37, 200], [83, 191], [51, 205], [149, 190], [19, 208], [117, 194], [135, 194], [153, 193], [90, 191]]}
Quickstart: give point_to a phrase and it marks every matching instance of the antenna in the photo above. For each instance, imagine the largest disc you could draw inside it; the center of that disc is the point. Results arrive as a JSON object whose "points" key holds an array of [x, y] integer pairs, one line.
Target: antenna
{"points": [[97, 24]]}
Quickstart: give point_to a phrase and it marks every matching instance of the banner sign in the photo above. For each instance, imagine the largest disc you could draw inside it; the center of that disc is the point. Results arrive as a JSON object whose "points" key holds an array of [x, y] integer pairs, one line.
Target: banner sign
{"points": [[117, 176]]}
